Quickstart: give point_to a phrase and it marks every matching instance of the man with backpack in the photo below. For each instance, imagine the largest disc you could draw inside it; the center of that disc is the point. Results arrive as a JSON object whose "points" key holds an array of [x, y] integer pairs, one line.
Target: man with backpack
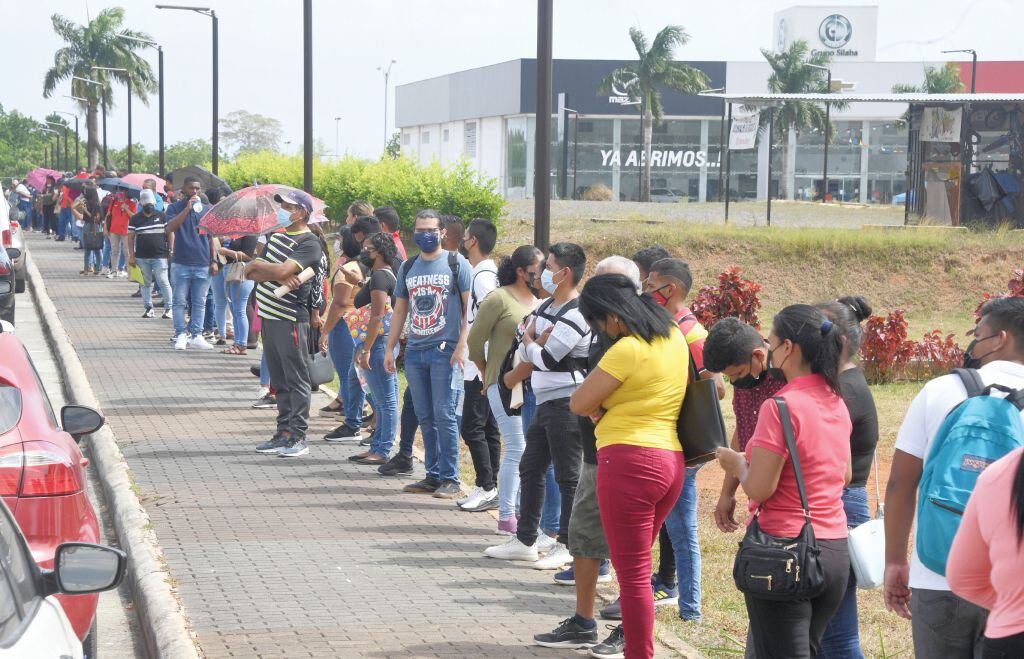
{"points": [[956, 426], [433, 291], [479, 428], [554, 352]]}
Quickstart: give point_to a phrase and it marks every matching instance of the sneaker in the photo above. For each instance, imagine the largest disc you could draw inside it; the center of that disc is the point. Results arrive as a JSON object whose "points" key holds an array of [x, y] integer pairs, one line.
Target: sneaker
{"points": [[368, 440], [199, 343], [273, 445], [110, 274], [613, 647], [472, 493], [294, 448], [513, 550], [426, 486], [557, 557], [399, 465], [137, 293], [343, 433], [166, 314], [568, 578], [448, 490], [613, 611], [122, 274], [507, 526], [545, 542], [148, 313], [208, 334], [569, 634], [328, 411], [255, 370], [181, 342], [105, 271], [265, 402], [663, 595], [480, 500]]}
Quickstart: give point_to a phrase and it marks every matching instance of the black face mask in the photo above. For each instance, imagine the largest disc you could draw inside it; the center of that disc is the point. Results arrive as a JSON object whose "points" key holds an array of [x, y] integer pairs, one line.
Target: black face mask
{"points": [[775, 372], [748, 381], [970, 361], [463, 250], [148, 208], [366, 258]]}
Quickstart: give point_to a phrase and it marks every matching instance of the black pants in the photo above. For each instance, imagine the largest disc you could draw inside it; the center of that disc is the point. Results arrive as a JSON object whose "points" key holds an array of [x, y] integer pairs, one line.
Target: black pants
{"points": [[286, 346], [793, 630], [1003, 648], [553, 438], [666, 559], [49, 220], [480, 432]]}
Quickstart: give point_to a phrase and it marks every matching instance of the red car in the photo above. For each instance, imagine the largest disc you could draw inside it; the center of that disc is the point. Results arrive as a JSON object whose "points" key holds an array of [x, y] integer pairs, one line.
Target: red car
{"points": [[42, 473]]}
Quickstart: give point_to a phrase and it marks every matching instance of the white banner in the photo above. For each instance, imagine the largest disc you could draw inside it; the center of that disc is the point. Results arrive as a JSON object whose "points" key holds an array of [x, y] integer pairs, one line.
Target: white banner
{"points": [[743, 134], [941, 125]]}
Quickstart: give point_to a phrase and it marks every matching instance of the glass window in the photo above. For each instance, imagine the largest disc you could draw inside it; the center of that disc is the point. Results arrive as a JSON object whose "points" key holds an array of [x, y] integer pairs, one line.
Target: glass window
{"points": [[17, 577], [10, 407], [515, 165], [425, 139], [446, 135], [469, 139], [406, 139]]}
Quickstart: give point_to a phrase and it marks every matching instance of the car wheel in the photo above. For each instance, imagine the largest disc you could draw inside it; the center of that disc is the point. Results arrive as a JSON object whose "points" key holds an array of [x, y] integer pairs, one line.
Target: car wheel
{"points": [[19, 285], [89, 644]]}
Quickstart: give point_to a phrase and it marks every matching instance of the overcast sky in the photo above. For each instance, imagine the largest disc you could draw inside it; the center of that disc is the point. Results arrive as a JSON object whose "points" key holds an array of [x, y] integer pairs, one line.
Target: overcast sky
{"points": [[261, 50]]}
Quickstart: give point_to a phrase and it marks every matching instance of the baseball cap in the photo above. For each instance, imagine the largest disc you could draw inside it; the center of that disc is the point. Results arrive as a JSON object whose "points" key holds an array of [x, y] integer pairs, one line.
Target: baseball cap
{"points": [[297, 197], [147, 196]]}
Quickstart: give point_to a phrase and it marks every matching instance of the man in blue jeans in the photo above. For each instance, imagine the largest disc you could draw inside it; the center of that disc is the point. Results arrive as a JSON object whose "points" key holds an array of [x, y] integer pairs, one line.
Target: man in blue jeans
{"points": [[433, 291], [194, 264]]}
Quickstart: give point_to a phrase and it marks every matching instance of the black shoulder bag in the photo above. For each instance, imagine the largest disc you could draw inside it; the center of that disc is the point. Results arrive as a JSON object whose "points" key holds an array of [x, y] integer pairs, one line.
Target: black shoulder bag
{"points": [[781, 569], [700, 426]]}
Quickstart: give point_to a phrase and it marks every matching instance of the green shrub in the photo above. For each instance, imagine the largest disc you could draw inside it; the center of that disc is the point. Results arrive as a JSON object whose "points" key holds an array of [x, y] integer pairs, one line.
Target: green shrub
{"points": [[402, 183]]}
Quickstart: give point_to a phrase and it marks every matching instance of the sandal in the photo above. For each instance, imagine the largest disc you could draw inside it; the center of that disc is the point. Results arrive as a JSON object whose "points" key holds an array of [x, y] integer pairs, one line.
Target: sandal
{"points": [[234, 350]]}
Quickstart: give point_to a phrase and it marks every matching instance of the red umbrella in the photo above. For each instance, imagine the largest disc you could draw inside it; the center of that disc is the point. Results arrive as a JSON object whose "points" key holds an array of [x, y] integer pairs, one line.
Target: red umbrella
{"points": [[138, 179], [251, 211]]}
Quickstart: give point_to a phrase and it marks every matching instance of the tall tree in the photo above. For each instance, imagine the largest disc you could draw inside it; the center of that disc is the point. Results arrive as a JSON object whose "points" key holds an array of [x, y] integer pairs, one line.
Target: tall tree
{"points": [[23, 146], [249, 132], [791, 74], [643, 80], [944, 80], [98, 44]]}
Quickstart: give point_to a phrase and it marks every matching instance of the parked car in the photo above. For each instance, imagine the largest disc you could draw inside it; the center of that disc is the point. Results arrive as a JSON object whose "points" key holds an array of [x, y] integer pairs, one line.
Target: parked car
{"points": [[7, 284], [665, 196], [12, 236], [32, 620], [42, 473]]}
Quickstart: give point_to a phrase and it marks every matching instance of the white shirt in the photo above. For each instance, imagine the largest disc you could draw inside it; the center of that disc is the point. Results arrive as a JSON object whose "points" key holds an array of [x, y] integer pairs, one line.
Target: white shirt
{"points": [[482, 286], [564, 341], [926, 413], [23, 193]]}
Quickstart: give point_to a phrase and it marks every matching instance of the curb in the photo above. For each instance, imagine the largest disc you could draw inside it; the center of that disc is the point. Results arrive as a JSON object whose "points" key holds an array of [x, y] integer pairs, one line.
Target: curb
{"points": [[165, 630]]}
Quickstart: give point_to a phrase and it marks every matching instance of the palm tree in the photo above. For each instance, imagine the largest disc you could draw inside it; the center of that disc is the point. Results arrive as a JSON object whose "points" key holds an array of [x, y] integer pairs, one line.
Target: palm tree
{"points": [[945, 80], [98, 44], [643, 80], [794, 72]]}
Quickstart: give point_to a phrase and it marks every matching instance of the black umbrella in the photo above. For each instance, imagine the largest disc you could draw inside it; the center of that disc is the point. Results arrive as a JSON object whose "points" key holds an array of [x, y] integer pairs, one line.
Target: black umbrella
{"points": [[116, 184], [207, 179]]}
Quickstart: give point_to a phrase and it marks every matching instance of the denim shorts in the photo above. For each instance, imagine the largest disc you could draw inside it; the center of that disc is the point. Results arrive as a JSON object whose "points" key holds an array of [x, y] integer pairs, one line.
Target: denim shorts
{"points": [[586, 533]]}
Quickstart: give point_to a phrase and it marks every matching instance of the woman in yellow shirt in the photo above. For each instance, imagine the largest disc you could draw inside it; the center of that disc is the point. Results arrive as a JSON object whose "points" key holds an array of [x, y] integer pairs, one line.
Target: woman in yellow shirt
{"points": [[634, 395]]}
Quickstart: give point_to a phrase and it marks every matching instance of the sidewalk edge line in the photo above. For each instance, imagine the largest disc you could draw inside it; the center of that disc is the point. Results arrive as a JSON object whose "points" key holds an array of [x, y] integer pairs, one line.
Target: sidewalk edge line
{"points": [[164, 626]]}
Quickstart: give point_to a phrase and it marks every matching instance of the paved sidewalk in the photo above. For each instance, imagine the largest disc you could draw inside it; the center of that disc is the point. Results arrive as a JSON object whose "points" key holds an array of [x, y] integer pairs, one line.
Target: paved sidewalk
{"points": [[275, 557]]}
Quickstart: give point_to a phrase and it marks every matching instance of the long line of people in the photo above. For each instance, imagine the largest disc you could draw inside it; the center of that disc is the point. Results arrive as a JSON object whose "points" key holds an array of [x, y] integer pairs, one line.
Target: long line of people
{"points": [[567, 396]]}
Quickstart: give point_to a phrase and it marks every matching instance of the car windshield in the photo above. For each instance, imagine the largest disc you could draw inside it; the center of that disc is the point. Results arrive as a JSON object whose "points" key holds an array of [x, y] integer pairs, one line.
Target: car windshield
{"points": [[10, 407]]}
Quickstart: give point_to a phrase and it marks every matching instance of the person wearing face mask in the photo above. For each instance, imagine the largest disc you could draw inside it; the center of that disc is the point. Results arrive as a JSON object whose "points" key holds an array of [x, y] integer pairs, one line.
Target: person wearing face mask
{"points": [[284, 321], [433, 292], [669, 282], [943, 624], [193, 264], [807, 348], [148, 249]]}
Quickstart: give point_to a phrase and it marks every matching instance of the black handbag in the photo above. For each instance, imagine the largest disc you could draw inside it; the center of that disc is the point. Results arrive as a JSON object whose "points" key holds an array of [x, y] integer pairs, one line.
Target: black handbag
{"points": [[700, 426], [781, 569]]}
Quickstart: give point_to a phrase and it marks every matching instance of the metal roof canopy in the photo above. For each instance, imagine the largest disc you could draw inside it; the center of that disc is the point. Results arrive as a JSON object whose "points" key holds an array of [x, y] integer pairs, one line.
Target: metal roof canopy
{"points": [[769, 99]]}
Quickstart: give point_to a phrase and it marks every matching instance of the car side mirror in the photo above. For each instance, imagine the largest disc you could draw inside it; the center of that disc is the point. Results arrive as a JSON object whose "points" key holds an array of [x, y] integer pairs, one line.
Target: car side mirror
{"points": [[81, 567], [79, 420], [14, 253]]}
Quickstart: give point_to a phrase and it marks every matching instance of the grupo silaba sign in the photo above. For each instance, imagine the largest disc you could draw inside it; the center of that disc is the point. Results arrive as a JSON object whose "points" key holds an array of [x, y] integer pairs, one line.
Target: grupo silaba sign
{"points": [[677, 158]]}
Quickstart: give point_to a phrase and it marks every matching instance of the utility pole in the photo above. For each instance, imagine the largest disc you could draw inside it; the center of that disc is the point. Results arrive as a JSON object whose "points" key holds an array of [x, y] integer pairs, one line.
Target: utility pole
{"points": [[387, 76], [974, 63], [70, 114], [307, 96], [542, 113]]}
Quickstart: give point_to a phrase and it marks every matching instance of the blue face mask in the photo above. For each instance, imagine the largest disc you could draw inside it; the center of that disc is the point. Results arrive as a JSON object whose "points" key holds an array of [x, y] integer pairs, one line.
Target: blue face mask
{"points": [[547, 282], [284, 217], [427, 241]]}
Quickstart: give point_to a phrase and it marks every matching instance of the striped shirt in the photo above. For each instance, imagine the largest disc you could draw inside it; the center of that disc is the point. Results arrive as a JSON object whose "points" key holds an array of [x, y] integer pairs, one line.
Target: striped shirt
{"points": [[149, 234], [302, 249]]}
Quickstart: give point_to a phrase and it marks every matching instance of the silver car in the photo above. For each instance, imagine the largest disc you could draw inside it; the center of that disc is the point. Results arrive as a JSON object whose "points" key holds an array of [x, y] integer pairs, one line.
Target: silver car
{"points": [[11, 236]]}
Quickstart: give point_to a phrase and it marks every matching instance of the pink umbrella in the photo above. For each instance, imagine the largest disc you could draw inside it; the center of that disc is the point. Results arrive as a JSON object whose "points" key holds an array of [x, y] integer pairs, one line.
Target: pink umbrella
{"points": [[37, 177], [138, 179]]}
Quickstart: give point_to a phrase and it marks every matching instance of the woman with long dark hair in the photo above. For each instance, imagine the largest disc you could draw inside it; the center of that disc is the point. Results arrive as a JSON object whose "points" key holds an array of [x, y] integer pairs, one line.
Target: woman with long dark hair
{"points": [[336, 335], [634, 395], [92, 232], [807, 347], [841, 639], [497, 320]]}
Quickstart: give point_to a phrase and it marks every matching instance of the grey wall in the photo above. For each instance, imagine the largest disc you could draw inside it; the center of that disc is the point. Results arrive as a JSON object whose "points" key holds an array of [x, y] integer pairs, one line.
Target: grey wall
{"points": [[488, 91]]}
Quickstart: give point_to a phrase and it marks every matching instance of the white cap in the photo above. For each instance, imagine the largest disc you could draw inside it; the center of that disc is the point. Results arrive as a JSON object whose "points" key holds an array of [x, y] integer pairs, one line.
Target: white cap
{"points": [[147, 196]]}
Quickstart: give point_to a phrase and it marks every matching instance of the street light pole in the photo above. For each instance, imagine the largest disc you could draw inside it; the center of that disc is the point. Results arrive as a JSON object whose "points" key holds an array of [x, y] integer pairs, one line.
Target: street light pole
{"points": [[104, 106], [65, 127], [974, 63], [206, 11], [49, 147], [387, 75], [307, 96], [70, 114], [337, 123], [542, 113], [160, 89]]}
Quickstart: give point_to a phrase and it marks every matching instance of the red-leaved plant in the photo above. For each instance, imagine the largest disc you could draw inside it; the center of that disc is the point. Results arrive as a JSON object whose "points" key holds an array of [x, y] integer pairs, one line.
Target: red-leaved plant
{"points": [[1014, 288], [733, 296], [936, 355], [885, 350]]}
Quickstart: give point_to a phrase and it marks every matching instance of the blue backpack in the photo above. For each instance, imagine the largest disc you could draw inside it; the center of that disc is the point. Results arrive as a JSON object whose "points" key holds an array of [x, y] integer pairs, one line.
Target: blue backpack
{"points": [[975, 434]]}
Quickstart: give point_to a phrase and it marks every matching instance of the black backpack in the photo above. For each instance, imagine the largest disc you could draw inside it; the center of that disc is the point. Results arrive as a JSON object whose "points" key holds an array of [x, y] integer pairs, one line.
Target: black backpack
{"points": [[453, 264]]}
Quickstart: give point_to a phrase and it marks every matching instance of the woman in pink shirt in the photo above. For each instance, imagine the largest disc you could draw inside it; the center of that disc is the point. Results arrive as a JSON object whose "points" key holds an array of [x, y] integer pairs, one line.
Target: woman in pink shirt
{"points": [[806, 347], [986, 562]]}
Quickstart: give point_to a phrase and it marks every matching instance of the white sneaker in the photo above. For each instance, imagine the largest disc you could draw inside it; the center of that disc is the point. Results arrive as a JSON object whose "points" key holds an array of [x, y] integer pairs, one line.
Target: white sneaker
{"points": [[105, 272], [555, 559], [111, 274], [545, 542], [472, 493], [167, 313], [199, 343], [513, 550], [181, 342], [122, 274], [481, 500]]}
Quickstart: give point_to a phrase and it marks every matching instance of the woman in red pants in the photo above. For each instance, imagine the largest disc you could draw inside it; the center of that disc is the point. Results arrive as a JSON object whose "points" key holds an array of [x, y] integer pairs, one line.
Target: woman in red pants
{"points": [[634, 395]]}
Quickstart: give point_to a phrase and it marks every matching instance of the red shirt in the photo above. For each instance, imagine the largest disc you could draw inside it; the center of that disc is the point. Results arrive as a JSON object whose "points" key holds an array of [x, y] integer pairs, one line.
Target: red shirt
{"points": [[119, 218], [695, 335], [397, 237], [821, 429], [746, 406]]}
